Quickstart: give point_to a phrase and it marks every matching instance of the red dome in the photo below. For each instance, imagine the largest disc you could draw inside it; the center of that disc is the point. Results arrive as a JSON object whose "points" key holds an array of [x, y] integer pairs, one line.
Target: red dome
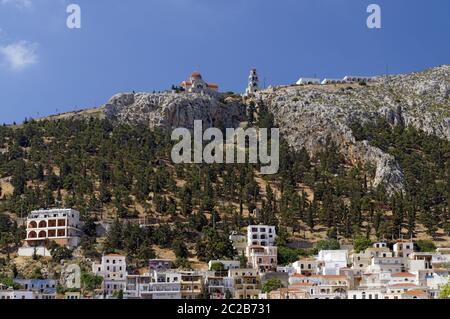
{"points": [[196, 75]]}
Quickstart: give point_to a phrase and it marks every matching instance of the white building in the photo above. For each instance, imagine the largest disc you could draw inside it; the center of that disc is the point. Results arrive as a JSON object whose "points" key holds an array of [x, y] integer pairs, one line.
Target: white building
{"points": [[261, 235], [113, 269], [306, 81], [403, 249], [307, 266], [333, 261], [59, 225], [332, 81], [157, 285], [361, 261], [11, 294]]}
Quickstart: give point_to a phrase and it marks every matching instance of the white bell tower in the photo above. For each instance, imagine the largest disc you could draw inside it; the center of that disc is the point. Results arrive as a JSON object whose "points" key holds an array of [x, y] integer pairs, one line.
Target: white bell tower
{"points": [[253, 83]]}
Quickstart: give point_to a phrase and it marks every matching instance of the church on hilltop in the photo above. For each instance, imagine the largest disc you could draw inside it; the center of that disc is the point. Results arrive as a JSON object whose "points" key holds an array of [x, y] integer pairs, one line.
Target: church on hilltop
{"points": [[196, 84]]}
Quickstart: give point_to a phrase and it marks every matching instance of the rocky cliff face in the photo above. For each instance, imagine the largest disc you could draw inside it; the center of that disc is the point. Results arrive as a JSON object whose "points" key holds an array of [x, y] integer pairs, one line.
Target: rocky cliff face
{"points": [[172, 110], [308, 115]]}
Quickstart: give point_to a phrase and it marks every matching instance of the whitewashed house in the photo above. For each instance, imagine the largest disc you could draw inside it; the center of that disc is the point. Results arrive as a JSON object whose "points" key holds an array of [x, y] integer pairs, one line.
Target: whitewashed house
{"points": [[333, 261], [403, 249], [113, 269], [307, 266]]}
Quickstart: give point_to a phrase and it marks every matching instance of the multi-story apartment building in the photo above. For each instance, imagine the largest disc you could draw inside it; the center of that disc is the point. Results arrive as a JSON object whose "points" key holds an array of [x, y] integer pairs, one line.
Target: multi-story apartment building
{"points": [[113, 269], [263, 258], [191, 285], [261, 235], [247, 283], [160, 284], [59, 225], [219, 287]]}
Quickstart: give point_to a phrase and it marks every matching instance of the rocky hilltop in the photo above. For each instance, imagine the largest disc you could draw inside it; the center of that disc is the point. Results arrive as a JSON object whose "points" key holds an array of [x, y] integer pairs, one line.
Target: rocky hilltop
{"points": [[309, 115]]}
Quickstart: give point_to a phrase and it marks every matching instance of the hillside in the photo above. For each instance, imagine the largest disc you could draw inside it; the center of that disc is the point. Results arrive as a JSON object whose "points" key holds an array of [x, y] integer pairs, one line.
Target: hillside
{"points": [[356, 160]]}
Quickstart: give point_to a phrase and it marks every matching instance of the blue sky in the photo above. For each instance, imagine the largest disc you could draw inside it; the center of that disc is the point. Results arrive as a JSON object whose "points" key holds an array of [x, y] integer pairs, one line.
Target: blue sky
{"points": [[147, 45]]}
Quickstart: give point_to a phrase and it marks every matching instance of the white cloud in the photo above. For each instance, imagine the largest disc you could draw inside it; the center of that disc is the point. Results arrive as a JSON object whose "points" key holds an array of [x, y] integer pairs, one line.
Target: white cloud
{"points": [[18, 3], [19, 55]]}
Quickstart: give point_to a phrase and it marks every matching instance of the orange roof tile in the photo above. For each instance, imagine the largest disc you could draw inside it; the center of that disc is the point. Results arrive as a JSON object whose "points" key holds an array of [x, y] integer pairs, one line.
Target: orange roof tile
{"points": [[415, 292], [403, 274]]}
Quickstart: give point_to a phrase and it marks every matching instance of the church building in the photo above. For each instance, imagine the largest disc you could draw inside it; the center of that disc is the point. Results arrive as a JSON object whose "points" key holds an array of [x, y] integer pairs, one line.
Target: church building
{"points": [[196, 84]]}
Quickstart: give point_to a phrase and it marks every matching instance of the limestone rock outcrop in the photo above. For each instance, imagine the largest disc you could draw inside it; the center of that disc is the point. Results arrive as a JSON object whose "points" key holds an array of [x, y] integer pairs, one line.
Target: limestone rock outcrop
{"points": [[308, 115], [174, 110]]}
